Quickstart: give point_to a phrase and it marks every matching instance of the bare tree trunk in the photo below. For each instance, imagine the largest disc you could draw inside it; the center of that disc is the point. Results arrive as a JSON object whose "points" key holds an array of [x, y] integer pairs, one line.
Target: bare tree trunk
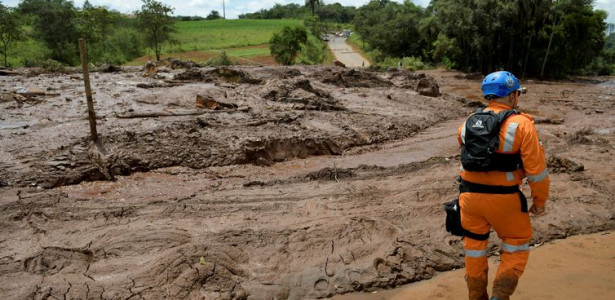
{"points": [[544, 62], [527, 55], [5, 61]]}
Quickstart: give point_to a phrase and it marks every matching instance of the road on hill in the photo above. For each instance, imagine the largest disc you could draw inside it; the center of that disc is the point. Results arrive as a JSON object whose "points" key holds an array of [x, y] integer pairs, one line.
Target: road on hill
{"points": [[346, 54]]}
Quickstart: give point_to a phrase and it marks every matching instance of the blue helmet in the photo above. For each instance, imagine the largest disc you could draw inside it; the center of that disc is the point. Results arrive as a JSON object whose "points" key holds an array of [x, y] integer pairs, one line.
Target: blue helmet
{"points": [[499, 84]]}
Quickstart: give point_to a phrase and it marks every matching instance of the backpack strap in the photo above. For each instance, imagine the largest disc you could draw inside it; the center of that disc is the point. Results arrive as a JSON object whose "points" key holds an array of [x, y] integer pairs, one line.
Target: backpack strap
{"points": [[503, 115]]}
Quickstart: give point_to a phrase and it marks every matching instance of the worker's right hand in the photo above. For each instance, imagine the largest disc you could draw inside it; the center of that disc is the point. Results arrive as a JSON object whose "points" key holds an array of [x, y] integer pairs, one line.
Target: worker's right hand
{"points": [[539, 211]]}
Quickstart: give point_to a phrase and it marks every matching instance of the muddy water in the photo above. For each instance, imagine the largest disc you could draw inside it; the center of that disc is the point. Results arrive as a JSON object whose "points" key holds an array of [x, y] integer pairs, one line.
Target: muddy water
{"points": [[550, 274], [322, 181]]}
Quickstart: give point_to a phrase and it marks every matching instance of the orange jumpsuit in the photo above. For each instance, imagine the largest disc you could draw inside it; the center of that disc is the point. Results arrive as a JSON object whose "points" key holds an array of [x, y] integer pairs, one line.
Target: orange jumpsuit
{"points": [[480, 212]]}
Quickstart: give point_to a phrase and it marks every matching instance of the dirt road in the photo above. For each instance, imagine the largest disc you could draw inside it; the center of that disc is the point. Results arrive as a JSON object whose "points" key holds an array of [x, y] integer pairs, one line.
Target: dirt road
{"points": [[262, 183], [346, 54]]}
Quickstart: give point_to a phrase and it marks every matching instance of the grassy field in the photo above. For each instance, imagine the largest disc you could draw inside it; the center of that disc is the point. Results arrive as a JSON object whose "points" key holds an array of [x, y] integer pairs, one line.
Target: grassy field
{"points": [[244, 41], [224, 34]]}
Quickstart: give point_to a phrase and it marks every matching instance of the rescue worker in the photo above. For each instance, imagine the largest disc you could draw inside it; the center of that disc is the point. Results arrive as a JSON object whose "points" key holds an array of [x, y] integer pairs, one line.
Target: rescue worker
{"points": [[492, 199]]}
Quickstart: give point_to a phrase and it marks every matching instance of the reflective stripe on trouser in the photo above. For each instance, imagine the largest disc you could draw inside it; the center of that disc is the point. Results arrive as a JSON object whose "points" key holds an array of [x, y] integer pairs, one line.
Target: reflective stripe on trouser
{"points": [[480, 213], [476, 268]]}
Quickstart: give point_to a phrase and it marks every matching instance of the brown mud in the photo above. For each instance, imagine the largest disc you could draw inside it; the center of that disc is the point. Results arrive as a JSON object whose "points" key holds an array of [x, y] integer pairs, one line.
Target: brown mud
{"points": [[263, 183]]}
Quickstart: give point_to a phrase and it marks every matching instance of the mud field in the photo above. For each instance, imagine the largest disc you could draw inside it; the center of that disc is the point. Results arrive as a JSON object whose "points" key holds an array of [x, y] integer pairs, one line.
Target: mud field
{"points": [[263, 183]]}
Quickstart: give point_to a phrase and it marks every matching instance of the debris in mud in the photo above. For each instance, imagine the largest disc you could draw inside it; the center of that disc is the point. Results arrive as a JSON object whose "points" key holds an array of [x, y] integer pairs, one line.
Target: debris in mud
{"points": [[31, 96], [163, 84], [302, 95], [559, 164], [208, 102], [580, 137], [338, 63], [108, 68], [330, 174], [462, 100], [6, 72], [428, 87], [175, 63], [155, 114], [352, 78], [470, 76], [150, 68], [552, 120], [228, 75]]}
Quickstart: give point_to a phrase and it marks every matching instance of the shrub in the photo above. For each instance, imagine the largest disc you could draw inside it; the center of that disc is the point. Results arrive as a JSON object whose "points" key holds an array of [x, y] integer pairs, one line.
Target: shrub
{"points": [[285, 46], [408, 63], [223, 60], [48, 65], [313, 52]]}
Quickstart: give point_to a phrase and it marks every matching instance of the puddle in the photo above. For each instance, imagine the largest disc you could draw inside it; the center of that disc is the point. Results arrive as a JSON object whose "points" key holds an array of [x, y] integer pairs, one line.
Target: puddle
{"points": [[604, 130]]}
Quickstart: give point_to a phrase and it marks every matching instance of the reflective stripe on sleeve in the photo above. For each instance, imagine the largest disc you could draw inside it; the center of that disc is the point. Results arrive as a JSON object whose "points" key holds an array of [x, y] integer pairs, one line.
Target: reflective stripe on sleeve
{"points": [[463, 133], [539, 177], [512, 248], [510, 176], [510, 137], [476, 253]]}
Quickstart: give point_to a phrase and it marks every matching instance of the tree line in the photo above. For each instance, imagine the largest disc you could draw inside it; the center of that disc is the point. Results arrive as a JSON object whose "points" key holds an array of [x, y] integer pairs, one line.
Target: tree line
{"points": [[334, 12], [529, 37], [112, 37]]}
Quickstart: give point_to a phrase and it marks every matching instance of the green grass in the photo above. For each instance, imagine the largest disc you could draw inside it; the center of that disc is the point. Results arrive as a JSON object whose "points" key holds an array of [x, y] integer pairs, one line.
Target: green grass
{"points": [[225, 34], [198, 40], [248, 52]]}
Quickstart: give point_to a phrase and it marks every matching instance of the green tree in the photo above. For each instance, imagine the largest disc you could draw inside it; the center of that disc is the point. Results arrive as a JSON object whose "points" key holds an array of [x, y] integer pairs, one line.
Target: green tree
{"points": [[56, 25], [285, 45], [96, 24], [313, 4], [158, 25], [10, 30], [313, 51], [214, 15], [391, 28]]}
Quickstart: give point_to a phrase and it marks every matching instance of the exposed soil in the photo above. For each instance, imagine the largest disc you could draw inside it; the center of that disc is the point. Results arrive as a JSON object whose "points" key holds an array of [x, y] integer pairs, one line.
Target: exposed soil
{"points": [[263, 183]]}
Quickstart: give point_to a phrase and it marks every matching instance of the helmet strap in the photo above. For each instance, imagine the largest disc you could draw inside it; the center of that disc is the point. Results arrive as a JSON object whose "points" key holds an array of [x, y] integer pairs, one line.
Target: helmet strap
{"points": [[514, 99]]}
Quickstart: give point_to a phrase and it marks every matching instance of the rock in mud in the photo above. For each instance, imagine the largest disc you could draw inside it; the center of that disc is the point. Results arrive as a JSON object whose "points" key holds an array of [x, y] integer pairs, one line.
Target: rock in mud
{"points": [[428, 87], [559, 164]]}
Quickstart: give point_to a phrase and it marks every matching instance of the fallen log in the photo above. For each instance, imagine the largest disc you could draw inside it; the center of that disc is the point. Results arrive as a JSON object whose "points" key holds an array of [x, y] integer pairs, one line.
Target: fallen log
{"points": [[136, 115], [9, 73], [152, 85]]}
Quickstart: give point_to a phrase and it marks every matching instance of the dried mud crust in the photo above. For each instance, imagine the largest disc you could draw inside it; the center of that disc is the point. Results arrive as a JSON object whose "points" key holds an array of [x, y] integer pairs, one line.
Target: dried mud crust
{"points": [[234, 216]]}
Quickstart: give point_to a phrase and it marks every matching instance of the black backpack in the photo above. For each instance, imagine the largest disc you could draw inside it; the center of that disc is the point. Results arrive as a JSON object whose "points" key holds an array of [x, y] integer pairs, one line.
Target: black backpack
{"points": [[478, 152]]}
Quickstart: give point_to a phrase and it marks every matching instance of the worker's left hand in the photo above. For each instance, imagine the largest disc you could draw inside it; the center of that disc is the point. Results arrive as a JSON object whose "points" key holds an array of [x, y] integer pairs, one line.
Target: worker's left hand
{"points": [[538, 211]]}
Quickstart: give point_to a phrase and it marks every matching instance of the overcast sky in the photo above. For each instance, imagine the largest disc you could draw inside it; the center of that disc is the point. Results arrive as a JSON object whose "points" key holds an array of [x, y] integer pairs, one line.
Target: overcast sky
{"points": [[237, 7]]}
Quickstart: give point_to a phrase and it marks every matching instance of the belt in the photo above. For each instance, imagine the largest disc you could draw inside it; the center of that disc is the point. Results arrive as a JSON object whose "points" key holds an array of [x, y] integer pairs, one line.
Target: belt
{"points": [[471, 187]]}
